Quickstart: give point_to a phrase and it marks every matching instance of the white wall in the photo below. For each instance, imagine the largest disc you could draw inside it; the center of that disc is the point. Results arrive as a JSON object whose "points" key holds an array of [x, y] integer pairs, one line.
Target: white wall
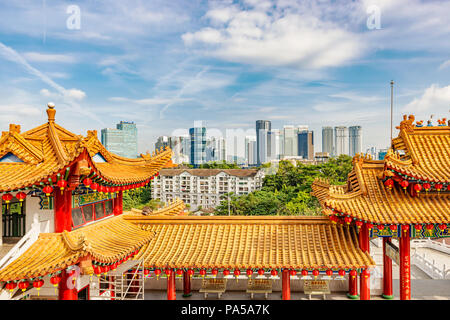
{"points": [[33, 211]]}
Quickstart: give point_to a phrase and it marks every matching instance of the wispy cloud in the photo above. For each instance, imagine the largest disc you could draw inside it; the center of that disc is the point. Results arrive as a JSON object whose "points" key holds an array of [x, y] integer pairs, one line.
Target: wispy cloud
{"points": [[51, 58]]}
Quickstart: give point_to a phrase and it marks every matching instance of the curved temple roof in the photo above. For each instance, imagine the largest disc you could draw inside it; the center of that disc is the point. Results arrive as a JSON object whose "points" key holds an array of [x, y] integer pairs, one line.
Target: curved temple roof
{"points": [[425, 156], [250, 242], [49, 149], [105, 241]]}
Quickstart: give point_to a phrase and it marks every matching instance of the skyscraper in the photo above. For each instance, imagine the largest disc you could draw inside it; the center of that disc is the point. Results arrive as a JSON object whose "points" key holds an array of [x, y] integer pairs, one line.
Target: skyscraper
{"points": [[276, 144], [327, 140], [290, 140], [122, 140], [306, 144], [198, 144], [340, 140], [355, 140], [262, 142]]}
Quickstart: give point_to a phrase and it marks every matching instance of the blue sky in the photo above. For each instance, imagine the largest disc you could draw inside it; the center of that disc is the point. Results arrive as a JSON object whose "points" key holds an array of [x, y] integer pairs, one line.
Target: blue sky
{"points": [[165, 64]]}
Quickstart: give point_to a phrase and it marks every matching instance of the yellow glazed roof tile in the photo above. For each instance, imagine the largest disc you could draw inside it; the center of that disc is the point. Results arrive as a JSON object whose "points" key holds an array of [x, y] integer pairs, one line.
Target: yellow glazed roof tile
{"points": [[49, 149], [250, 242]]}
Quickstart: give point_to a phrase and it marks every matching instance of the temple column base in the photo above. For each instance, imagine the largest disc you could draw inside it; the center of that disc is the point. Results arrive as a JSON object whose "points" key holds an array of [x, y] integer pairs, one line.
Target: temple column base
{"points": [[387, 297], [353, 297]]}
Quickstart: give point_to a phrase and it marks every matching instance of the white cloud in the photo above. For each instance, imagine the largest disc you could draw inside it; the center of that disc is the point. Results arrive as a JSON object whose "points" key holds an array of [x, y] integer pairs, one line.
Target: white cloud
{"points": [[75, 94], [149, 101], [444, 65], [45, 57], [434, 100], [275, 37], [70, 94]]}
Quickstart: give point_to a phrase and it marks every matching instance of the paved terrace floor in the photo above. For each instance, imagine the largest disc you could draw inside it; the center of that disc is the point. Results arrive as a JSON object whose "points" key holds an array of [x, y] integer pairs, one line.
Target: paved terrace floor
{"points": [[421, 290]]}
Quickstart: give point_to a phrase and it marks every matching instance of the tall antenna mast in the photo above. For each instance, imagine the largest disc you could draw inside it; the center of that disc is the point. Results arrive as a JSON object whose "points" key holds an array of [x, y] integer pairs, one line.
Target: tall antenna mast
{"points": [[392, 104]]}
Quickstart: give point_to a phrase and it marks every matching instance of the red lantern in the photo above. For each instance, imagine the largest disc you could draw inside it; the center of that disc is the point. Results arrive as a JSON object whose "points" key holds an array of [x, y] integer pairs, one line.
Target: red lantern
{"points": [[38, 283], [105, 269], [334, 219], [167, 272], [348, 220], [438, 186], [157, 273], [329, 272], [274, 272], [47, 190], [380, 227], [341, 272], [430, 226], [226, 272], [55, 280], [23, 285], [404, 184], [21, 196], [190, 272], [393, 227], [366, 273], [418, 227], [62, 184], [315, 273], [389, 183], [7, 197], [101, 189], [214, 272], [292, 272], [180, 272], [97, 270], [304, 272], [417, 187], [369, 226], [443, 226], [237, 272], [94, 186], [359, 224], [202, 272], [353, 273], [249, 273], [108, 189], [405, 228], [261, 272], [11, 286], [87, 182], [427, 186], [146, 272]]}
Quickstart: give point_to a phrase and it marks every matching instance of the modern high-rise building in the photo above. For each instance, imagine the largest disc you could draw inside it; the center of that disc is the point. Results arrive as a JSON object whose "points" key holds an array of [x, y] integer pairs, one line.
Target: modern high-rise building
{"points": [[215, 149], [276, 144], [355, 140], [198, 145], [306, 144], [250, 150], [263, 128], [162, 142], [340, 140], [290, 140], [122, 140], [327, 140]]}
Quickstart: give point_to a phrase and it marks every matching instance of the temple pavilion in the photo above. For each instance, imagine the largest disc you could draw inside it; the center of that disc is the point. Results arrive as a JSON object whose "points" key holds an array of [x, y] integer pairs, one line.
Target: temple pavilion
{"points": [[85, 240]]}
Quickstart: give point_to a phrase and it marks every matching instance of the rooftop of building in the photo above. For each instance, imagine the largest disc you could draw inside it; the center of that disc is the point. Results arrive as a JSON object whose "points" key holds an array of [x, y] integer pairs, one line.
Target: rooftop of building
{"points": [[209, 172]]}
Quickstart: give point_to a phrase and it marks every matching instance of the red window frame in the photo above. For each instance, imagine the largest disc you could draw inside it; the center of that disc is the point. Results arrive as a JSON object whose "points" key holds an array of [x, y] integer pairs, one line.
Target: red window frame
{"points": [[94, 216]]}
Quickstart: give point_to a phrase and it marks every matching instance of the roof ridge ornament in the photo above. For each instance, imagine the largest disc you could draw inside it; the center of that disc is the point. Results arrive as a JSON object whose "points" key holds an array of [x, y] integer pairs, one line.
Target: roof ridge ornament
{"points": [[407, 123], [51, 112]]}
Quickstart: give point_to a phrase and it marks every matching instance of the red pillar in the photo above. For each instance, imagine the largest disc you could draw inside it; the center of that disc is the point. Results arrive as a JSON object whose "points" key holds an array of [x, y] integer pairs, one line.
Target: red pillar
{"points": [[186, 284], [286, 285], [63, 210], [353, 286], [67, 290], [171, 289], [118, 204], [364, 245], [364, 285], [405, 267], [388, 292], [120, 198]]}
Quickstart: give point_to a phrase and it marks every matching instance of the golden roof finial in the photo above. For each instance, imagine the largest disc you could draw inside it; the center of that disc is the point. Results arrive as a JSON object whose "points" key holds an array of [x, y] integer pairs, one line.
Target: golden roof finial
{"points": [[51, 112]]}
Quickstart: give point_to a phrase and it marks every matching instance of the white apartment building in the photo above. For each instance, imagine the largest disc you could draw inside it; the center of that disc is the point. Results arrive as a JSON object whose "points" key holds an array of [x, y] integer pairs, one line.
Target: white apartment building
{"points": [[204, 187]]}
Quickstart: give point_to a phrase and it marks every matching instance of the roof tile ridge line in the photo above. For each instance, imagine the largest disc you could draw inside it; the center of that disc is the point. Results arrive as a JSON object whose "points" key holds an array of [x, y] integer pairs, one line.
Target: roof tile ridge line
{"points": [[93, 140], [408, 145], [69, 133], [31, 149], [66, 235], [56, 143], [340, 196], [357, 166]]}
